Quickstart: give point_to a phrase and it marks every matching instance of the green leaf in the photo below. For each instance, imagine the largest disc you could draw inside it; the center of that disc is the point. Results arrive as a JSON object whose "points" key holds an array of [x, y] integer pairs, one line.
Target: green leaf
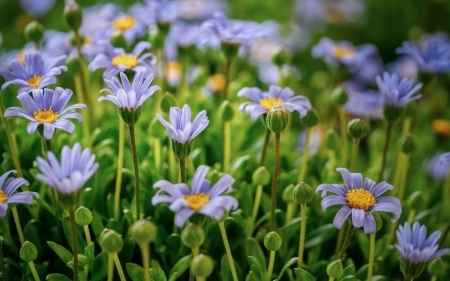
{"points": [[225, 271], [254, 250], [319, 235], [89, 253], [180, 267], [251, 276], [82, 261], [100, 267], [62, 252], [303, 275], [136, 272], [286, 266], [255, 267], [97, 223], [57, 277], [158, 274], [239, 167]]}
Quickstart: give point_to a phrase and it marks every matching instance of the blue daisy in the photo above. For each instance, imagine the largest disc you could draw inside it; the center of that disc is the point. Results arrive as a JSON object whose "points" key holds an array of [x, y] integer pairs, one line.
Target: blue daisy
{"points": [[396, 92]]}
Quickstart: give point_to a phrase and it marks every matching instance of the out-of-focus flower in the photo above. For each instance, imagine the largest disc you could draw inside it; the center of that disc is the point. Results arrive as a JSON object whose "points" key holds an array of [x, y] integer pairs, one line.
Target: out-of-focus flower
{"points": [[441, 127], [316, 140], [404, 67], [201, 198], [360, 200], [181, 35], [115, 60], [37, 8], [396, 92], [6, 57], [216, 83], [262, 102], [174, 73], [436, 169], [366, 72], [200, 10], [8, 187], [34, 73], [158, 11], [129, 26], [432, 53], [362, 102], [46, 108]]}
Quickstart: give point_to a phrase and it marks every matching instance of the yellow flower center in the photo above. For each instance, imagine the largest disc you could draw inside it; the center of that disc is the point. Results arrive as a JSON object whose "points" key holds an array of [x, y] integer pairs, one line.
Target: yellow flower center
{"points": [[267, 103], [34, 81], [173, 70], [441, 127], [3, 197], [217, 82], [196, 201], [124, 59], [46, 116], [342, 52], [87, 40], [360, 199], [124, 23], [21, 56]]}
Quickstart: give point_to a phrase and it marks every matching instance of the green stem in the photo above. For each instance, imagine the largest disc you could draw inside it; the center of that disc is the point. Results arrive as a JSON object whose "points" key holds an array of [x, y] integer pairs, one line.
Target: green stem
{"points": [[182, 170], [9, 135], [290, 210], [343, 127], [281, 76], [411, 216], [406, 125], [33, 271], [228, 250], [409, 279], [446, 188], [146, 260], [110, 267], [271, 262], [172, 169], [348, 237], [256, 204], [385, 149], [87, 234], [340, 239], [74, 243], [2, 264], [433, 278], [402, 183], [301, 175], [399, 166], [446, 232], [195, 252], [331, 279], [227, 78], [157, 151], [78, 89], [136, 171], [201, 278], [266, 142], [331, 163], [18, 226], [119, 267], [275, 181], [226, 145], [371, 256], [119, 170], [354, 154], [301, 246]]}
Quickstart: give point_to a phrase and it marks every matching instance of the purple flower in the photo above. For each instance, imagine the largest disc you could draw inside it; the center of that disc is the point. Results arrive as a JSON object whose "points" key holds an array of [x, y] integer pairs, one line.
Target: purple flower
{"points": [[199, 199], [363, 102], [46, 108], [200, 10], [127, 95], [37, 8], [158, 11], [8, 188], [71, 173], [396, 92], [262, 102], [413, 245], [360, 200], [181, 129], [405, 66], [436, 169], [35, 73], [444, 159], [115, 60]]}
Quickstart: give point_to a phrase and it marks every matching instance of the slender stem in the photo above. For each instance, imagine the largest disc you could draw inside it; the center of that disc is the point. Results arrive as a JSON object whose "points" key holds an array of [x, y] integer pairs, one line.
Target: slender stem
{"points": [[119, 267], [9, 135], [78, 89], [136, 171], [406, 125], [399, 166], [266, 142], [347, 239], [331, 279], [183, 170], [403, 178], [74, 243], [2, 264], [256, 204], [433, 278], [271, 262], [301, 175], [343, 127], [201, 278], [446, 232], [280, 76], [301, 246], [146, 260], [290, 210], [275, 181], [17, 222], [227, 78], [119, 170], [87, 234], [226, 145], [228, 250], [195, 252], [354, 154], [33, 271], [110, 267], [411, 216], [340, 239], [172, 169], [157, 151], [331, 163], [371, 256], [385, 149]]}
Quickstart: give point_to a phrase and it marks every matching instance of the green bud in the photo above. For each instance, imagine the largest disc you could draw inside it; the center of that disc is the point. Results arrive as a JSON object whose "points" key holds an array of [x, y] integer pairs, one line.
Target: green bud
{"points": [[143, 231], [118, 40], [156, 129], [378, 220], [226, 111], [411, 270], [182, 150], [167, 102], [416, 200], [83, 216], [392, 114], [407, 143], [130, 116], [230, 49], [357, 128], [272, 241], [277, 119], [287, 194], [34, 32], [73, 65], [335, 269], [339, 96], [437, 267], [110, 241], [202, 266], [193, 236], [303, 193], [331, 140], [28, 252], [281, 57], [311, 118], [261, 176], [73, 15]]}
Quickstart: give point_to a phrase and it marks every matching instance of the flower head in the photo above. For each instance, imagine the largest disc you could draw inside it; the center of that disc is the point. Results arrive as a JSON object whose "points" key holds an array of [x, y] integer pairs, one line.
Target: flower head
{"points": [[115, 60], [396, 92], [71, 173], [8, 187], [181, 129], [46, 108], [200, 198], [34, 73], [37, 8], [363, 102], [262, 102], [360, 200], [435, 168]]}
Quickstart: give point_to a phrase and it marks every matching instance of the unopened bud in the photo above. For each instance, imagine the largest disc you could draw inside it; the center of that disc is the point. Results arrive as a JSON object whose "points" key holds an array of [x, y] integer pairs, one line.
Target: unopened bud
{"points": [[202, 266], [303, 193], [167, 102], [34, 32], [182, 150], [331, 140], [110, 241], [193, 236], [311, 118], [357, 128], [272, 241], [28, 252], [83, 216], [287, 195], [339, 96], [281, 57], [143, 231], [73, 15], [277, 119], [407, 143], [226, 111], [335, 269], [261, 176]]}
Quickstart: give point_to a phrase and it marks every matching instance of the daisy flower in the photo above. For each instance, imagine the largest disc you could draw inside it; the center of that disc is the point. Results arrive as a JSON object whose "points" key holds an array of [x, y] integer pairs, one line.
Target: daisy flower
{"points": [[397, 93]]}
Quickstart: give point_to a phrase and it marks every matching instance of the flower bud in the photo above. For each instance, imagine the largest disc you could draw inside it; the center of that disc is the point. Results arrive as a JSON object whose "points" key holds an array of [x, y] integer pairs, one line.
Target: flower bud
{"points": [[73, 65], [416, 200], [311, 118], [407, 143], [272, 241], [378, 221], [339, 96], [277, 119], [335, 269], [437, 267], [303, 193], [34, 32], [28, 252], [167, 102], [357, 128], [287, 194], [281, 57], [411, 270], [143, 231], [83, 216], [118, 40], [73, 15], [202, 266], [193, 236], [156, 129], [392, 114], [182, 150], [130, 116], [261, 176], [226, 111], [110, 241], [331, 140]]}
